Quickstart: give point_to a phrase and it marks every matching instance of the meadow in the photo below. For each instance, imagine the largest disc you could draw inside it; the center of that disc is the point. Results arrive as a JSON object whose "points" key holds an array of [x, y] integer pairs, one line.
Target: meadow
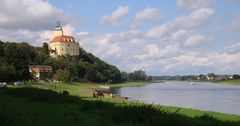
{"points": [[233, 82], [44, 104]]}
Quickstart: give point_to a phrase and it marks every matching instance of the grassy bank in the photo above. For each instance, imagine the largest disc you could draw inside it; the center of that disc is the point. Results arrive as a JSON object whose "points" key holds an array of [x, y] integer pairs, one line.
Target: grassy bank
{"points": [[140, 83], [43, 104], [233, 82]]}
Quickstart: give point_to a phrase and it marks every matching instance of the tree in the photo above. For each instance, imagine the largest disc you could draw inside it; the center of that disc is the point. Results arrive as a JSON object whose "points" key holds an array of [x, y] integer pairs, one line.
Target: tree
{"points": [[45, 49], [1, 49], [83, 68], [62, 75], [148, 78], [124, 76], [7, 71], [43, 54], [15, 56], [92, 75], [137, 75], [27, 51], [212, 76], [236, 76]]}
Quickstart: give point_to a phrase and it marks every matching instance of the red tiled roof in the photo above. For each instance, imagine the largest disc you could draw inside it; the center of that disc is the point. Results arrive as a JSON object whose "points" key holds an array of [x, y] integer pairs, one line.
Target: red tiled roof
{"points": [[40, 68], [63, 38]]}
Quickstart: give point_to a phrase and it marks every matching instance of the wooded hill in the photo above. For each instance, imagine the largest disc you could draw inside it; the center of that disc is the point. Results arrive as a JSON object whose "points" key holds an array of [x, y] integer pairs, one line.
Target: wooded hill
{"points": [[15, 58]]}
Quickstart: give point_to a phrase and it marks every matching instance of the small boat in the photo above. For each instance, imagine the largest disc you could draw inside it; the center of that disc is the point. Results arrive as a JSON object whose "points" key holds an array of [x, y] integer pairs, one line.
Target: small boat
{"points": [[191, 83]]}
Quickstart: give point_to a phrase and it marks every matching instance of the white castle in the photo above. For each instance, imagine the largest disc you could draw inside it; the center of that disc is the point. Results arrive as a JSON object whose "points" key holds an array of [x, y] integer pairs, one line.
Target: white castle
{"points": [[63, 44]]}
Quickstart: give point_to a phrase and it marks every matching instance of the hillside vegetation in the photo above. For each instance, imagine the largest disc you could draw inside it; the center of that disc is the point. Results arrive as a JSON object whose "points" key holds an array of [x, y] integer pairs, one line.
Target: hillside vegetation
{"points": [[15, 58]]}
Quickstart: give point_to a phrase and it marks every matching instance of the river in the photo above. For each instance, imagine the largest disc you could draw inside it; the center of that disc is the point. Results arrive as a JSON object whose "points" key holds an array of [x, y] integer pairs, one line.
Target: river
{"points": [[208, 96]]}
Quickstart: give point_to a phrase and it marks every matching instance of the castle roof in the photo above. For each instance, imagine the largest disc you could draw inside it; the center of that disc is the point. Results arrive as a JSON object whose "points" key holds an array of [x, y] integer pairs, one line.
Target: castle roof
{"points": [[63, 38]]}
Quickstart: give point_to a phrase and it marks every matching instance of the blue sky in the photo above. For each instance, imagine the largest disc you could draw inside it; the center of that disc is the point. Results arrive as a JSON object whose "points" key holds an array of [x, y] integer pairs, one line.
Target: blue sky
{"points": [[161, 37]]}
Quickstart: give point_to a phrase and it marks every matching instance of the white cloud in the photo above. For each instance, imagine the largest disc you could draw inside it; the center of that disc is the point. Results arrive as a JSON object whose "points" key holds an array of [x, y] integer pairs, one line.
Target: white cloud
{"points": [[46, 36], [196, 63], [28, 14], [154, 52], [83, 34], [30, 21], [193, 20], [160, 31], [35, 38], [178, 34], [196, 41], [235, 24], [102, 45], [148, 15], [130, 51], [68, 29], [136, 41], [194, 4], [232, 49], [115, 17]]}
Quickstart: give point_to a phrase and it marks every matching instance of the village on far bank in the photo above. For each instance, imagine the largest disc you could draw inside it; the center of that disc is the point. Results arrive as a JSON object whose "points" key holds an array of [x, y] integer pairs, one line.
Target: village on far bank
{"points": [[200, 77]]}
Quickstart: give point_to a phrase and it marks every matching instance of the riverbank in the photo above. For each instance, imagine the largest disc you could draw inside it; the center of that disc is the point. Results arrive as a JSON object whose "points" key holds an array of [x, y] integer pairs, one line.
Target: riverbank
{"points": [[136, 83], [233, 82], [45, 104]]}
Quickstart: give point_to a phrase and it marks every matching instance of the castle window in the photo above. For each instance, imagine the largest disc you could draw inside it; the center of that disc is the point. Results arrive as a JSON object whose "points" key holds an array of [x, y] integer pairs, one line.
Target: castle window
{"points": [[68, 45]]}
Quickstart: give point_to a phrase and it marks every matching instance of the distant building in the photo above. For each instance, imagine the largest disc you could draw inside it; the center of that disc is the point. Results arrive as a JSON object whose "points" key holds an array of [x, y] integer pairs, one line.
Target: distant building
{"points": [[40, 70], [63, 44]]}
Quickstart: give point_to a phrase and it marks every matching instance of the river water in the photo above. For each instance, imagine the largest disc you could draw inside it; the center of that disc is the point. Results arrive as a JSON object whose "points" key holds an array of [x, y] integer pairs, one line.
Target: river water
{"points": [[199, 95]]}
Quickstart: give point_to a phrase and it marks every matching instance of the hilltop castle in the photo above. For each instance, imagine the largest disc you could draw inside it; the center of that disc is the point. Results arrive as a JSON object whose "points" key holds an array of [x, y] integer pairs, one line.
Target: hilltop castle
{"points": [[63, 44]]}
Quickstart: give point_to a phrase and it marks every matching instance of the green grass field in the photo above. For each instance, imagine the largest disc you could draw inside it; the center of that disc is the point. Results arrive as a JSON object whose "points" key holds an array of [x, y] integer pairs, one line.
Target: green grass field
{"points": [[45, 105], [233, 82]]}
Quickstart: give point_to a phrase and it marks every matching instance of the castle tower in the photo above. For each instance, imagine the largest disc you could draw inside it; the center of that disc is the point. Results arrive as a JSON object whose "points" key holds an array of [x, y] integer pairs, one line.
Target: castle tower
{"points": [[58, 29], [63, 44]]}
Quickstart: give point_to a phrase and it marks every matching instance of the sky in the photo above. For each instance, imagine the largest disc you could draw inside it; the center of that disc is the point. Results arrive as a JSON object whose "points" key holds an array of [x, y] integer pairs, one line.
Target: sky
{"points": [[162, 37]]}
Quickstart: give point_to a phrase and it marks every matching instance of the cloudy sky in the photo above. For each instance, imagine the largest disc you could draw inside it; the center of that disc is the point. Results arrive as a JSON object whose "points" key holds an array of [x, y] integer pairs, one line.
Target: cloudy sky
{"points": [[160, 37]]}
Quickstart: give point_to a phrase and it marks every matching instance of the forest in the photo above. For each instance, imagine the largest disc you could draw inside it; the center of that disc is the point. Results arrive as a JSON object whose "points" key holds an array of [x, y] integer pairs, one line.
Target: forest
{"points": [[16, 57]]}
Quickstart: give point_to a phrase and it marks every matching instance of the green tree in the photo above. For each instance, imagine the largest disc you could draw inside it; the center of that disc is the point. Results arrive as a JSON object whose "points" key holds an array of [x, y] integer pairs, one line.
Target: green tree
{"points": [[62, 75], [7, 71], [124, 76], [236, 76], [15, 56], [45, 49], [137, 75], [94, 75]]}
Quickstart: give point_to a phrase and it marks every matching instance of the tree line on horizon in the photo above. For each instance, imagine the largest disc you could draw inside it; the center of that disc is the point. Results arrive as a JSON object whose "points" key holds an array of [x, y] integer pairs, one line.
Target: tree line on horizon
{"points": [[209, 76], [16, 57]]}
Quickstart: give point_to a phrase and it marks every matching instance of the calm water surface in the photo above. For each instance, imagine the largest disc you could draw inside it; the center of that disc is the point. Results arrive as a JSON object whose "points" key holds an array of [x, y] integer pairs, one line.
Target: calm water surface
{"points": [[201, 95]]}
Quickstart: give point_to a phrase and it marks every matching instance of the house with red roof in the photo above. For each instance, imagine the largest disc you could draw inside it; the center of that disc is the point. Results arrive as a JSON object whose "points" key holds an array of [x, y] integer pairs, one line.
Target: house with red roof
{"points": [[39, 71]]}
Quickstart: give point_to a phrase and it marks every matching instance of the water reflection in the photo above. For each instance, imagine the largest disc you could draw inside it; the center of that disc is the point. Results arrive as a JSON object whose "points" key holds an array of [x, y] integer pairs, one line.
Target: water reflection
{"points": [[202, 95]]}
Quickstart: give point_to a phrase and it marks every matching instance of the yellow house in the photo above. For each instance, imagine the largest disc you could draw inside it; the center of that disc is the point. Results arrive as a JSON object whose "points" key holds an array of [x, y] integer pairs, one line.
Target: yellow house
{"points": [[63, 44]]}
